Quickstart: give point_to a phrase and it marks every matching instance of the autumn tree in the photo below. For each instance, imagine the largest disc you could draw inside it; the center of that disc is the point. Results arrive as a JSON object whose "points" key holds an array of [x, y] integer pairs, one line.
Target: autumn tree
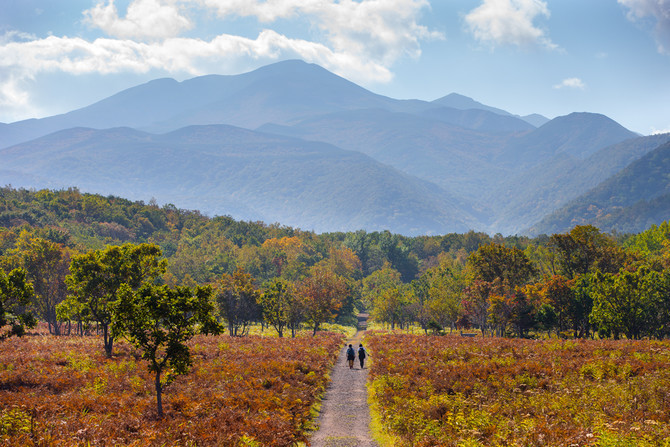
{"points": [[476, 302], [344, 263], [237, 299], [585, 249], [15, 295], [96, 276], [558, 291], [499, 313], [523, 312], [498, 273], [159, 320], [507, 264], [284, 257], [323, 294]]}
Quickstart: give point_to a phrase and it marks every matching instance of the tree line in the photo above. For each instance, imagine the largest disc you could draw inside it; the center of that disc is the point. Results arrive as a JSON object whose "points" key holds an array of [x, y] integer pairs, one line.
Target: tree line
{"points": [[75, 250], [583, 283]]}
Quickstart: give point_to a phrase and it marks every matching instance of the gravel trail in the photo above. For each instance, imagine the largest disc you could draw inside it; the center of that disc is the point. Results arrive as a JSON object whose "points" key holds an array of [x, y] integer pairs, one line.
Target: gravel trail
{"points": [[344, 420]]}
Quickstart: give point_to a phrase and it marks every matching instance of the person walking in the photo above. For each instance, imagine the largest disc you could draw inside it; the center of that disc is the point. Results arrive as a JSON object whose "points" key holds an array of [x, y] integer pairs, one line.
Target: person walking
{"points": [[361, 355], [351, 356]]}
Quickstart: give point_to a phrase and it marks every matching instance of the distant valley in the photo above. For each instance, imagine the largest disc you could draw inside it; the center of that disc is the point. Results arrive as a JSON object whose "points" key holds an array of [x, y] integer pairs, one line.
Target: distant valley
{"points": [[295, 144]]}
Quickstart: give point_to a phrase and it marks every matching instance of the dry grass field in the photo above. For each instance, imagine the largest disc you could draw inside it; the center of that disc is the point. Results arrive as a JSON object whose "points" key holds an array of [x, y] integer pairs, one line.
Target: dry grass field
{"points": [[62, 391], [456, 391]]}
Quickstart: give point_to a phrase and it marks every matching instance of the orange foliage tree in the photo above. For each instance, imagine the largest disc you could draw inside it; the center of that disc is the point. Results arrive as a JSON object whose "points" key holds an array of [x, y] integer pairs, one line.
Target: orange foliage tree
{"points": [[323, 294], [238, 298]]}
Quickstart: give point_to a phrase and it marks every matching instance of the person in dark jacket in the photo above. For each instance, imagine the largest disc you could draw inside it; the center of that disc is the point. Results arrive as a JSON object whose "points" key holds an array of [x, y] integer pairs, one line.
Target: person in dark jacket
{"points": [[361, 354], [351, 356]]}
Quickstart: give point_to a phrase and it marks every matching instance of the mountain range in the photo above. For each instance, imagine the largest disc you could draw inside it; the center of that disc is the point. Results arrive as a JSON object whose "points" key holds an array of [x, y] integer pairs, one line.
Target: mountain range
{"points": [[295, 144]]}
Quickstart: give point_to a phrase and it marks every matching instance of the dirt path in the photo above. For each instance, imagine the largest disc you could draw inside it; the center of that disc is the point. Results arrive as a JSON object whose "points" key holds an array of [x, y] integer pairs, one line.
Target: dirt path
{"points": [[345, 416]]}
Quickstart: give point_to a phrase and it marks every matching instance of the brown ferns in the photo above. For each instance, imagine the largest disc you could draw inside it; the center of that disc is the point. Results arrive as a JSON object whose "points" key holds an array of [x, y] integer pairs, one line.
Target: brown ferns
{"points": [[63, 391], [452, 391]]}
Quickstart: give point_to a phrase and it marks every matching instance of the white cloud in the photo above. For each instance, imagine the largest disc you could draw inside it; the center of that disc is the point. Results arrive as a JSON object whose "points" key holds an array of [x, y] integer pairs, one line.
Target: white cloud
{"points": [[509, 22], [186, 55], [571, 83], [361, 39], [14, 100], [383, 30], [358, 39], [21, 61], [145, 19], [657, 12], [655, 131]]}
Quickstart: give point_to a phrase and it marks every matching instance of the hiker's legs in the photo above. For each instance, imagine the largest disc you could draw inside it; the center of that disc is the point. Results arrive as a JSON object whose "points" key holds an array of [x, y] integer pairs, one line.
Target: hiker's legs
{"points": [[362, 360]]}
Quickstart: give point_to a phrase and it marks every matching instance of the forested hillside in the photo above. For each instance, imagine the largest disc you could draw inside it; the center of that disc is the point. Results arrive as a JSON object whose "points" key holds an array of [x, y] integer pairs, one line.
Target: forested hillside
{"points": [[221, 169], [630, 201], [575, 283]]}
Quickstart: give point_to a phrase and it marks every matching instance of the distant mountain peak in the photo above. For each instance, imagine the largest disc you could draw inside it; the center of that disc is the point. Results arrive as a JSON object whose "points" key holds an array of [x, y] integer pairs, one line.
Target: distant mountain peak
{"points": [[535, 119], [457, 101]]}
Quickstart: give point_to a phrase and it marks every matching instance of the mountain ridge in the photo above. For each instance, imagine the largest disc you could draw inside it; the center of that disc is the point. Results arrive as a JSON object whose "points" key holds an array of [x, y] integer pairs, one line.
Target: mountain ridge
{"points": [[640, 193], [479, 167], [212, 168]]}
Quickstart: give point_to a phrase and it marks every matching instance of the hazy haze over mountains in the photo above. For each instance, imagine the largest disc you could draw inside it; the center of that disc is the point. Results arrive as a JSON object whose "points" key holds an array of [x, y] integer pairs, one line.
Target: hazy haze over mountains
{"points": [[228, 170], [313, 150], [636, 197]]}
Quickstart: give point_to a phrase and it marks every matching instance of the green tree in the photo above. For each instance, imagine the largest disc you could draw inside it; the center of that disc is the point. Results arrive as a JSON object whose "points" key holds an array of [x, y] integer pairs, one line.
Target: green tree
{"points": [[546, 317], [15, 295], [440, 291], [625, 302], [651, 241], [71, 310], [392, 305], [277, 302], [398, 254], [159, 321], [583, 305], [237, 298], [47, 265], [96, 276], [658, 284], [378, 281]]}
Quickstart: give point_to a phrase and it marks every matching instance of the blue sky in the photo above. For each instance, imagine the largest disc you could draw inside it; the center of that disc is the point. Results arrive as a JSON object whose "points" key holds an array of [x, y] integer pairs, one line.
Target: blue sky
{"points": [[550, 57]]}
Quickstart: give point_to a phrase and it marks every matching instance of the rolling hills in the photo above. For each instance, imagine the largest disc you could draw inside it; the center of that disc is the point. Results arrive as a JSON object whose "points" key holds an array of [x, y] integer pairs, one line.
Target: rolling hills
{"points": [[225, 170], [294, 143]]}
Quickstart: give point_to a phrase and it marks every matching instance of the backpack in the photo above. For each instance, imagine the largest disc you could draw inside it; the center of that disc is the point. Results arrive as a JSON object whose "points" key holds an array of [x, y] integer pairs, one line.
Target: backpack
{"points": [[361, 352], [351, 354]]}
